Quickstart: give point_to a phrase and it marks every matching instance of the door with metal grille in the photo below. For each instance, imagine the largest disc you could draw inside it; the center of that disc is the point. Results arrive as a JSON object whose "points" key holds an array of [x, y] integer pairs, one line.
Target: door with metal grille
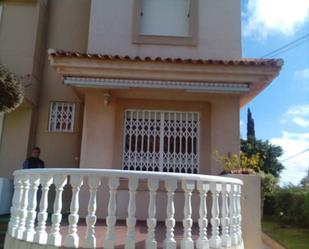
{"points": [[166, 141]]}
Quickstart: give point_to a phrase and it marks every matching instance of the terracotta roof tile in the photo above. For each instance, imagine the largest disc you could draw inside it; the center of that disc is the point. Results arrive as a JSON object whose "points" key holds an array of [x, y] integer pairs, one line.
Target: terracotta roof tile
{"points": [[243, 61]]}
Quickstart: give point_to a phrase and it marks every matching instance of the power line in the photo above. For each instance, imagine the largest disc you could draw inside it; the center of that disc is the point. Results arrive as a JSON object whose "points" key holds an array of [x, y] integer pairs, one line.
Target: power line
{"points": [[293, 44], [302, 152]]}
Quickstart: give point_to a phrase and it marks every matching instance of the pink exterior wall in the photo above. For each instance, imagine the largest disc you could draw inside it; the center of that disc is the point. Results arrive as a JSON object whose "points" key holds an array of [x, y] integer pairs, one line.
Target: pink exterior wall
{"points": [[102, 139], [219, 31]]}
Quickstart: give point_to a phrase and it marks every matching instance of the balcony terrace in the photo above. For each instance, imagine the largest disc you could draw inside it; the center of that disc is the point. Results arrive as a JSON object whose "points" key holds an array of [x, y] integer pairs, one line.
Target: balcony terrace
{"points": [[218, 224]]}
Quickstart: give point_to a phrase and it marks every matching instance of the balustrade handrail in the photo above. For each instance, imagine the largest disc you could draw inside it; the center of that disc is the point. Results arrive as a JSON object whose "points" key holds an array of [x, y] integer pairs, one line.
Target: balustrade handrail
{"points": [[223, 192], [127, 174]]}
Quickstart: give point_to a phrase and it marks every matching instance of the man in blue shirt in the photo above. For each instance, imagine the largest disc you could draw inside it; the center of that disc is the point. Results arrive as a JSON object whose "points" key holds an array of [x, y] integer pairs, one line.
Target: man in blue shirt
{"points": [[34, 161]]}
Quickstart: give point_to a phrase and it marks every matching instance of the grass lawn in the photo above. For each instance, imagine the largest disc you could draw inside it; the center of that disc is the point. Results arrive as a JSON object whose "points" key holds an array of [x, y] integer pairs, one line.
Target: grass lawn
{"points": [[289, 237]]}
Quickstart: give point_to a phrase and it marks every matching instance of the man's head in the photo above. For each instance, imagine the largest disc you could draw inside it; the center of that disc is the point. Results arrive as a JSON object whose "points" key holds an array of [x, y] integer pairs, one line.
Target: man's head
{"points": [[36, 152]]}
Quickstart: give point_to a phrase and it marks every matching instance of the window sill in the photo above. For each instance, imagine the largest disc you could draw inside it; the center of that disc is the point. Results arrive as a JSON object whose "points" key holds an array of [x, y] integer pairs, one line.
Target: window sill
{"points": [[165, 40]]}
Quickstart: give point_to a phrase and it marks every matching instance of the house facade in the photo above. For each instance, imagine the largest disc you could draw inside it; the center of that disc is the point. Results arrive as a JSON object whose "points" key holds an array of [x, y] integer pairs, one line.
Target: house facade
{"points": [[124, 63], [137, 85]]}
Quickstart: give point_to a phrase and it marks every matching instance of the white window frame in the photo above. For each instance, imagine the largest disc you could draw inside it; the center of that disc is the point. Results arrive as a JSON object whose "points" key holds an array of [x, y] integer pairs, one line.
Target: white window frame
{"points": [[161, 156], [52, 120]]}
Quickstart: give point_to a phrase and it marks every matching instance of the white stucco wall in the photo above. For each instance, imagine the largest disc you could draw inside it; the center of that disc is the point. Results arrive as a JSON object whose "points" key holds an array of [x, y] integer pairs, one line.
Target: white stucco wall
{"points": [[219, 31]]}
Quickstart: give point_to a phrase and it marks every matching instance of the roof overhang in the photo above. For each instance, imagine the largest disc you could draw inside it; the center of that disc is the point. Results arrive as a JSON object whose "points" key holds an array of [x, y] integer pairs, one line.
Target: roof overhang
{"points": [[246, 77]]}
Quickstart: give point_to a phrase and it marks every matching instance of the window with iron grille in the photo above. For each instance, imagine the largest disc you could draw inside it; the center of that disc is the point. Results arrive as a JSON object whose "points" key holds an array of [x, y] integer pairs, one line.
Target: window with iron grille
{"points": [[61, 117], [166, 141]]}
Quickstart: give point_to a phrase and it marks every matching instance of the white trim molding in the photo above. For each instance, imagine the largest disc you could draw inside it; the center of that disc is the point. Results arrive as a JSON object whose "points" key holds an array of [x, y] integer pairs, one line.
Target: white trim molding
{"points": [[210, 87]]}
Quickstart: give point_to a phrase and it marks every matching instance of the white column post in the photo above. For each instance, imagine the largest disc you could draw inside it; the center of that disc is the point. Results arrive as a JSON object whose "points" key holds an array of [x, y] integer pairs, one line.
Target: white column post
{"points": [[225, 220], [54, 237], [131, 220], [215, 240], [233, 228], [170, 242], [113, 184], [72, 239], [23, 210], [238, 217], [40, 236], [202, 241], [32, 204], [90, 240], [15, 209], [153, 185], [187, 242]]}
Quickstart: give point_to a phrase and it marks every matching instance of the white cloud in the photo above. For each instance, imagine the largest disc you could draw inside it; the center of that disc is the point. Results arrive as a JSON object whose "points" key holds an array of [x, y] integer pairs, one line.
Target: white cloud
{"points": [[303, 74], [292, 144], [275, 16], [298, 114], [301, 121]]}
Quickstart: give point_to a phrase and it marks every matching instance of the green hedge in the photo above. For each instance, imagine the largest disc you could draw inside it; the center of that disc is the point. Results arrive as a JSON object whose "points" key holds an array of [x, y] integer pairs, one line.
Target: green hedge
{"points": [[289, 205]]}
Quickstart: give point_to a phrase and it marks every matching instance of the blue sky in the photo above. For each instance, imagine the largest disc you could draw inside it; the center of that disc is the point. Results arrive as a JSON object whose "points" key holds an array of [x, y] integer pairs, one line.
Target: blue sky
{"points": [[281, 111]]}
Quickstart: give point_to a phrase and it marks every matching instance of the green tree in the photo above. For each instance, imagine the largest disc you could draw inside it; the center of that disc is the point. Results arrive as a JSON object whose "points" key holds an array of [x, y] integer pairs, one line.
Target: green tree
{"points": [[11, 94], [250, 125], [305, 181], [268, 155]]}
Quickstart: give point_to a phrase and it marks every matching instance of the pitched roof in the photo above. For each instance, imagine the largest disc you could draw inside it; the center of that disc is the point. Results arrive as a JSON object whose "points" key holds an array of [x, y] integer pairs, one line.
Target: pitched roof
{"points": [[243, 61]]}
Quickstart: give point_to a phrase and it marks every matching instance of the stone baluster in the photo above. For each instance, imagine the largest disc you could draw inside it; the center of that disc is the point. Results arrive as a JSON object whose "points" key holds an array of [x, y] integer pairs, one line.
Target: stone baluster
{"points": [[72, 238], [202, 241], [32, 204], [225, 220], [23, 207], [111, 219], [90, 239], [238, 216], [54, 237], [40, 236], [187, 242], [170, 242], [131, 220], [153, 185], [15, 209], [233, 228], [215, 240]]}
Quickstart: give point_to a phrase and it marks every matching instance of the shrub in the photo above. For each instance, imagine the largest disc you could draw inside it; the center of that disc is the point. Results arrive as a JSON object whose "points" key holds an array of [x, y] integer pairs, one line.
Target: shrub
{"points": [[290, 206], [11, 94]]}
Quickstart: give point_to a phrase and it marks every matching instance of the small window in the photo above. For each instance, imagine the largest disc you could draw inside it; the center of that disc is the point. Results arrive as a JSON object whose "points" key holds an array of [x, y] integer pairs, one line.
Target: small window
{"points": [[165, 22], [61, 117]]}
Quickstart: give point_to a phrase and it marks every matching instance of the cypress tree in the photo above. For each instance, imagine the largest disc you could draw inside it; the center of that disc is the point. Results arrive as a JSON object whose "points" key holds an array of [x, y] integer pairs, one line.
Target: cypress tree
{"points": [[250, 126]]}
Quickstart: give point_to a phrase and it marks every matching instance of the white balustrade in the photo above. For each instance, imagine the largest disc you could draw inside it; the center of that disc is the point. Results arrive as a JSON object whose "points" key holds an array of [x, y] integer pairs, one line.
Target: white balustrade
{"points": [[187, 242], [90, 239], [238, 216], [153, 185], [202, 241], [111, 219], [72, 239], [16, 204], [23, 208], [225, 220], [223, 195], [54, 237], [131, 220], [233, 218], [40, 236], [31, 215], [215, 240], [170, 242]]}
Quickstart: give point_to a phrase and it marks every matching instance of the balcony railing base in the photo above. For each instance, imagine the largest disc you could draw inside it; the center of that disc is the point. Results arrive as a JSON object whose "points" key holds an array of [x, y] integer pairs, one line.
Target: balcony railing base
{"points": [[11, 242]]}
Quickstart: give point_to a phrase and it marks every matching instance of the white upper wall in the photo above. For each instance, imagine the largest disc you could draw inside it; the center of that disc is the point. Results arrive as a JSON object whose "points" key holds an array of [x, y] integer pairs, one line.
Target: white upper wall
{"points": [[218, 31]]}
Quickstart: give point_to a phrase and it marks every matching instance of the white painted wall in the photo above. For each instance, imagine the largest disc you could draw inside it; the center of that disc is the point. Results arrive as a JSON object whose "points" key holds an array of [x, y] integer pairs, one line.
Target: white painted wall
{"points": [[219, 31]]}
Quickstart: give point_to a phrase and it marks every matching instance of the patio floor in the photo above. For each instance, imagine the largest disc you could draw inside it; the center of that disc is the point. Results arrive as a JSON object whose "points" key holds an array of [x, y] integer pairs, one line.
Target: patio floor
{"points": [[141, 233]]}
